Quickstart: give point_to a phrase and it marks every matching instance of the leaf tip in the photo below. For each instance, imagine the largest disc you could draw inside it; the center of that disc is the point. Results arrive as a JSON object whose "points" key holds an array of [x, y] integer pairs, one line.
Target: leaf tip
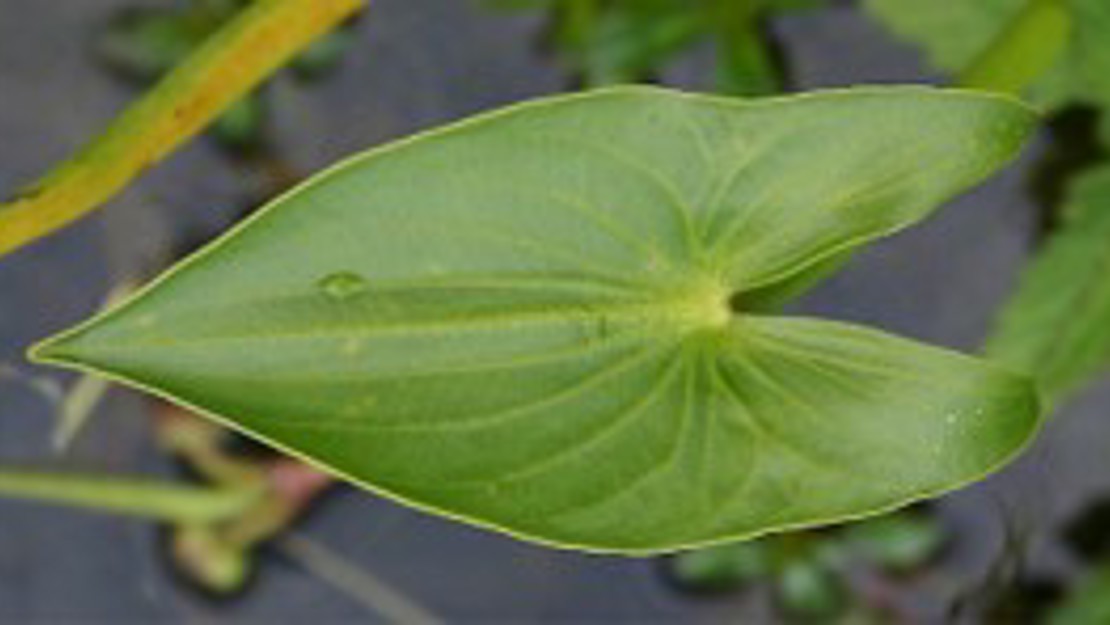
{"points": [[51, 351], [1021, 117]]}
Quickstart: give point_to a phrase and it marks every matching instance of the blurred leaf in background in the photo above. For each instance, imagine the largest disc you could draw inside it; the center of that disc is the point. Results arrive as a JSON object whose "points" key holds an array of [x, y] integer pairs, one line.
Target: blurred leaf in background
{"points": [[1088, 602], [618, 41], [800, 569], [1088, 539], [1058, 324], [954, 33], [807, 571]]}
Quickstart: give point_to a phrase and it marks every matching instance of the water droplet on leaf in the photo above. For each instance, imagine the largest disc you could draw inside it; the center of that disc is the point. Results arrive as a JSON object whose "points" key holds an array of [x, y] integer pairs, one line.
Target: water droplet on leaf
{"points": [[342, 285], [352, 346], [360, 408]]}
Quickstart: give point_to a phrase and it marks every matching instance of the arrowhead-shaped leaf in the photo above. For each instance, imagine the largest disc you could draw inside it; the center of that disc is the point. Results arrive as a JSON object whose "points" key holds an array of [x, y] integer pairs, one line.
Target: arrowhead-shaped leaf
{"points": [[535, 320]]}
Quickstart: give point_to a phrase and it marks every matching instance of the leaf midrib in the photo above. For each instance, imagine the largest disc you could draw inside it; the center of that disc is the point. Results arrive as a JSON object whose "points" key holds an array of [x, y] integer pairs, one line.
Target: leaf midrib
{"points": [[704, 307]]}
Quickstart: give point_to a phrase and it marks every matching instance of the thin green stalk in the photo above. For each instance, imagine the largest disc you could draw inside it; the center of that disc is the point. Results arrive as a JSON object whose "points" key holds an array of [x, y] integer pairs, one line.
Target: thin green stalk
{"points": [[577, 19], [149, 499], [576, 25], [1028, 47], [236, 59], [744, 66]]}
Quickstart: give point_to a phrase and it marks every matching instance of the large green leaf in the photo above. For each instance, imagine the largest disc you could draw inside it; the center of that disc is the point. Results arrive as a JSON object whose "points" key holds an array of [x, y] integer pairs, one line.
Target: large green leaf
{"points": [[534, 320], [1058, 325], [954, 33]]}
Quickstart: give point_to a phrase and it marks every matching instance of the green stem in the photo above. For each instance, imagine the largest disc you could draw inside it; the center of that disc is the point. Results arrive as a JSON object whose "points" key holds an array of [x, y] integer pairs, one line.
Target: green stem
{"points": [[237, 58], [745, 66], [575, 23], [186, 505], [1023, 51]]}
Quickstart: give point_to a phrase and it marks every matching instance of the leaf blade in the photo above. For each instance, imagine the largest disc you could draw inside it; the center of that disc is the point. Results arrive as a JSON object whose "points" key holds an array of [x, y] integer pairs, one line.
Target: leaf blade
{"points": [[528, 340]]}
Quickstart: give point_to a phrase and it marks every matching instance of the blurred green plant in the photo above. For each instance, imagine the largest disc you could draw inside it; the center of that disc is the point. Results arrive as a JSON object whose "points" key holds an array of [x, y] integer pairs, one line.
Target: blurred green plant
{"points": [[215, 525], [807, 571], [1063, 41], [1058, 324], [618, 41], [1088, 538], [1088, 603]]}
